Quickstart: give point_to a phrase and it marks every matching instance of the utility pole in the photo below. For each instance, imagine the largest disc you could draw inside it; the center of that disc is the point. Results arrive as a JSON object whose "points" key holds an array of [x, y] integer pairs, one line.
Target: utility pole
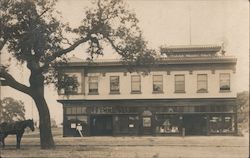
{"points": [[190, 25]]}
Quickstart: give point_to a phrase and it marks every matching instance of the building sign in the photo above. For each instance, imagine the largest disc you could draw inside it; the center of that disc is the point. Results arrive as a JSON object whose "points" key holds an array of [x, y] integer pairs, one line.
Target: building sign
{"points": [[102, 110]]}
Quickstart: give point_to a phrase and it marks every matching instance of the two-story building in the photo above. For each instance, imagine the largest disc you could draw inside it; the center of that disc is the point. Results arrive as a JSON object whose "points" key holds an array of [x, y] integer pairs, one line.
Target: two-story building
{"points": [[189, 91]]}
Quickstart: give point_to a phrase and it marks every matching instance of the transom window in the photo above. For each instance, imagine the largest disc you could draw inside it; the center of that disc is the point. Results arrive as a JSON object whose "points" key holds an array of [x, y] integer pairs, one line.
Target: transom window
{"points": [[114, 84], [202, 83], [157, 83], [179, 83], [136, 83], [93, 84], [224, 82]]}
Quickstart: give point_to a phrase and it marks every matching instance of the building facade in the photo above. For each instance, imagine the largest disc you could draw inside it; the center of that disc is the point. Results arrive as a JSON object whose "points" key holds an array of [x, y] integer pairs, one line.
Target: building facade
{"points": [[189, 91]]}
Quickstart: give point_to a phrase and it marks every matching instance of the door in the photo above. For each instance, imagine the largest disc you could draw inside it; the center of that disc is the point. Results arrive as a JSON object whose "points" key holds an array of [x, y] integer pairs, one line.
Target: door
{"points": [[101, 125], [194, 124], [146, 125]]}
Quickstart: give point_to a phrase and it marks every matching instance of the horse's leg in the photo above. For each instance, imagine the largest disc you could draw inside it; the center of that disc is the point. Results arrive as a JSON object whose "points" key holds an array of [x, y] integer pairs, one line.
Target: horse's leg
{"points": [[18, 139], [3, 142]]}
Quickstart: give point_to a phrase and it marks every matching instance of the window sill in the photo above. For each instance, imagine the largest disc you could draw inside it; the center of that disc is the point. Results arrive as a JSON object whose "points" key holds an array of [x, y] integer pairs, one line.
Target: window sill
{"points": [[179, 92], [155, 92], [136, 92], [72, 94], [93, 93], [114, 93], [202, 92], [225, 91]]}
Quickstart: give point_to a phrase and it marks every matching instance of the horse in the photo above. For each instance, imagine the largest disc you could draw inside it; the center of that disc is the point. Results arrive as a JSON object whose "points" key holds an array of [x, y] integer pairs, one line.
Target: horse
{"points": [[16, 128]]}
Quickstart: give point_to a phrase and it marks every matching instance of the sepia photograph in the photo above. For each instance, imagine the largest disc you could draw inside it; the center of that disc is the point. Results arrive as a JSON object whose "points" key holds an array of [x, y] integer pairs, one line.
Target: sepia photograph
{"points": [[124, 78]]}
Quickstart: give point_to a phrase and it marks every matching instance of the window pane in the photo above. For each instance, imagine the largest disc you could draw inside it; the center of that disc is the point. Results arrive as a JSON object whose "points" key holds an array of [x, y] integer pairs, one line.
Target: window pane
{"points": [[136, 78], [157, 78], [78, 110], [179, 83], [114, 84], [224, 81], [157, 83], [68, 110], [73, 110], [93, 84], [136, 83], [179, 78], [202, 83]]}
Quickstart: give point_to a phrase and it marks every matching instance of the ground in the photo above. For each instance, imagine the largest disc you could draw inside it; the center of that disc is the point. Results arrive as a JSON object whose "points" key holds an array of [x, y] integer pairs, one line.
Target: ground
{"points": [[131, 147]]}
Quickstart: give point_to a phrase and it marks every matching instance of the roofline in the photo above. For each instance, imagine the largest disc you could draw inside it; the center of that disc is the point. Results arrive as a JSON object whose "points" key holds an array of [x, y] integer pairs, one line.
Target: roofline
{"points": [[165, 61], [191, 48]]}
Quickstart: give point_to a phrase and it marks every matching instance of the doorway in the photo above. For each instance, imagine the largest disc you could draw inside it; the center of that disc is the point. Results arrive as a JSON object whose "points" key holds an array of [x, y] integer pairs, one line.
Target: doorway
{"points": [[101, 125], [195, 124]]}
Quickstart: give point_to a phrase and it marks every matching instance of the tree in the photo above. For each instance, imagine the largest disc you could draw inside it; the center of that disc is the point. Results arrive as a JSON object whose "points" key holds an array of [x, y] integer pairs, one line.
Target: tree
{"points": [[242, 102], [12, 110], [31, 33]]}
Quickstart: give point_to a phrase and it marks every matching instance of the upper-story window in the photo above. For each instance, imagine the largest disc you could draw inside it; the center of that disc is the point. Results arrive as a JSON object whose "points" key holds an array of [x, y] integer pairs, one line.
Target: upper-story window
{"points": [[70, 84], [202, 83], [114, 84], [179, 83], [93, 84], [135, 84], [158, 83], [224, 82]]}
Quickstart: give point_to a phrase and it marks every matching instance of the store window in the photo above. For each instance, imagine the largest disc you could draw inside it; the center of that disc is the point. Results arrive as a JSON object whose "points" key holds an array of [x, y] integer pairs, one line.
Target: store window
{"points": [[221, 124], [135, 84], [93, 84], [179, 83], [224, 82], [167, 124], [157, 83], [114, 84], [201, 83]]}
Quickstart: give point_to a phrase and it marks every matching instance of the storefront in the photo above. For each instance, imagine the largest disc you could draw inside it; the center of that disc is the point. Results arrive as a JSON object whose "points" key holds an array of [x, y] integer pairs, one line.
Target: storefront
{"points": [[150, 117]]}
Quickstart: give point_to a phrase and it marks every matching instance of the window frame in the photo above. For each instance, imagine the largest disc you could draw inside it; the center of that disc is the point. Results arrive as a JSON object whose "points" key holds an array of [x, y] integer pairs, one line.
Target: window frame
{"points": [[111, 91], [161, 83], [71, 91], [175, 83], [201, 81], [93, 82], [138, 82], [229, 82]]}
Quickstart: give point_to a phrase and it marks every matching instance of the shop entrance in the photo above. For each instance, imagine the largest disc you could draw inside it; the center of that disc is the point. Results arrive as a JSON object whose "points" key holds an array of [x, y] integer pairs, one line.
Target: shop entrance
{"points": [[101, 125], [195, 124]]}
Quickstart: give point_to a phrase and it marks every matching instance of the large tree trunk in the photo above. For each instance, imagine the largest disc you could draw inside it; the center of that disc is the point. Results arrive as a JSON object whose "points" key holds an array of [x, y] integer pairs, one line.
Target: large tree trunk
{"points": [[37, 89], [46, 138]]}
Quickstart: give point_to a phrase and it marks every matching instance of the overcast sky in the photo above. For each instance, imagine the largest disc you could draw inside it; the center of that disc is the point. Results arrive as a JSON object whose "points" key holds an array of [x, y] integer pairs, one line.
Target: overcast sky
{"points": [[167, 22]]}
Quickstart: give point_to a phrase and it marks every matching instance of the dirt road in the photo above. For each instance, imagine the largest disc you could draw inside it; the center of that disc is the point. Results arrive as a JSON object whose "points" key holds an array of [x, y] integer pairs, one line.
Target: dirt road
{"points": [[133, 147]]}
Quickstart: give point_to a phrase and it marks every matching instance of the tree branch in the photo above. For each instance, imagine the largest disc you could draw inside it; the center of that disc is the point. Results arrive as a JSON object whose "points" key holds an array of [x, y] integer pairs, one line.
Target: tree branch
{"points": [[64, 51], [118, 50], [8, 80]]}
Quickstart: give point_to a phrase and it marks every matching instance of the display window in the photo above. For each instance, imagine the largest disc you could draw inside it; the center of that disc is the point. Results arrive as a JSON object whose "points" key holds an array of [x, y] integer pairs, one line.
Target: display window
{"points": [[221, 124], [167, 124]]}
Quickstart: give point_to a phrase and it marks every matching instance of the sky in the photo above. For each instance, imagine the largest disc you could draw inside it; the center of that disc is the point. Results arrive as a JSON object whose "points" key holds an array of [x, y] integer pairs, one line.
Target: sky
{"points": [[164, 23]]}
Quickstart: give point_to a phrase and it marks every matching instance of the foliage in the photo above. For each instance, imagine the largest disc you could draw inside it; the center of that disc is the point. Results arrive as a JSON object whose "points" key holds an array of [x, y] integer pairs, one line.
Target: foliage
{"points": [[12, 110], [243, 106], [31, 32]]}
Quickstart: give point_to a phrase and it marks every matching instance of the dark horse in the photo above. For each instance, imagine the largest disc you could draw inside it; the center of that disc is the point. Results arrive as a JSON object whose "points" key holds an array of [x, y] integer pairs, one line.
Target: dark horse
{"points": [[15, 128]]}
